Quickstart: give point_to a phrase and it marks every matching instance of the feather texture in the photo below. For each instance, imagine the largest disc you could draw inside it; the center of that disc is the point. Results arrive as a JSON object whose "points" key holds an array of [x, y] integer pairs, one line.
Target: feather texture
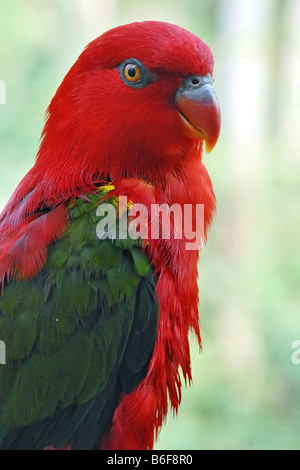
{"points": [[97, 330]]}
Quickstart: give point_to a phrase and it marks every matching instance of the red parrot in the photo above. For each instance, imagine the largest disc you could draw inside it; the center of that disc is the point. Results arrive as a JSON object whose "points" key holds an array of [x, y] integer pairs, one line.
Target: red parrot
{"points": [[96, 326]]}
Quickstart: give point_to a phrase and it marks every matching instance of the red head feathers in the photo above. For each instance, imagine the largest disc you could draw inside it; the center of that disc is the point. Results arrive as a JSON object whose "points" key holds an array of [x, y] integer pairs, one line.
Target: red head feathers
{"points": [[100, 124]]}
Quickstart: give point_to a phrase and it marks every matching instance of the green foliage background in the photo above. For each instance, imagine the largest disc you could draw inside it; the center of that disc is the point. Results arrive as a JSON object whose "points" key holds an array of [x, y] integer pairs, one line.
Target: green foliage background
{"points": [[246, 390]]}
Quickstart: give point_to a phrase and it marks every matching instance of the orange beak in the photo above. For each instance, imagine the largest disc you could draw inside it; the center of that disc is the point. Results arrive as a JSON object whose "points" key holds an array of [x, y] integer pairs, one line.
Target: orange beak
{"points": [[199, 109]]}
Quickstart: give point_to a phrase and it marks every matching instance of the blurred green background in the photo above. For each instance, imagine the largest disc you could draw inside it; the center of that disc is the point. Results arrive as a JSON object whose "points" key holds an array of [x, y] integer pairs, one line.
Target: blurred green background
{"points": [[246, 390]]}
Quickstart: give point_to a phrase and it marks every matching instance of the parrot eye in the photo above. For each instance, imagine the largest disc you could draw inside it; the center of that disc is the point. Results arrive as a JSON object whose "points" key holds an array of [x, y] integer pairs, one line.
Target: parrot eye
{"points": [[135, 74], [132, 72]]}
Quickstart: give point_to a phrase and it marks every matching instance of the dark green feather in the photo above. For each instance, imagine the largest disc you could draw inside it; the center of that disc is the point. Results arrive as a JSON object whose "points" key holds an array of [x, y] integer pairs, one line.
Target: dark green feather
{"points": [[77, 335]]}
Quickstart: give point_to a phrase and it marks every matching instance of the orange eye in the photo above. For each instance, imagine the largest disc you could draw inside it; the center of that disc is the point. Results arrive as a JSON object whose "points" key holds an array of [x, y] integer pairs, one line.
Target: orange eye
{"points": [[132, 72]]}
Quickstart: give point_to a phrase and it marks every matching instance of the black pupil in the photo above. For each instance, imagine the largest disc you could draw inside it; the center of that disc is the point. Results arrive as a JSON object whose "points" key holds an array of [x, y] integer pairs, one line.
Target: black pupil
{"points": [[131, 72]]}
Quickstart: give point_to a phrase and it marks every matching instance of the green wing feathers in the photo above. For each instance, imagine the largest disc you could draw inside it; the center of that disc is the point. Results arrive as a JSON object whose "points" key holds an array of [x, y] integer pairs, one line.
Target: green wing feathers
{"points": [[77, 336]]}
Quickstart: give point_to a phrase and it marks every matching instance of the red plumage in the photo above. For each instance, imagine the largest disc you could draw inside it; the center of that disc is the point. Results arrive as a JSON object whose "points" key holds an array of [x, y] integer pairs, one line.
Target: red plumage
{"points": [[99, 129]]}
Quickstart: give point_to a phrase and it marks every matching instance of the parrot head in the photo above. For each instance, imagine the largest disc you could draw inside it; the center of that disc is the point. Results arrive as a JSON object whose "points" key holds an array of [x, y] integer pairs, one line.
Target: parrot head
{"points": [[138, 102]]}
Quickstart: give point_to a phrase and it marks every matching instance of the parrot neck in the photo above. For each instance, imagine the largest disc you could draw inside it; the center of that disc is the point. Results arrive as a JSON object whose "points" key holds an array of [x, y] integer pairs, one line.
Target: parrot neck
{"points": [[65, 171]]}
